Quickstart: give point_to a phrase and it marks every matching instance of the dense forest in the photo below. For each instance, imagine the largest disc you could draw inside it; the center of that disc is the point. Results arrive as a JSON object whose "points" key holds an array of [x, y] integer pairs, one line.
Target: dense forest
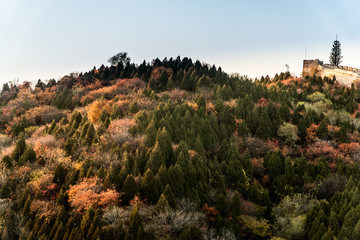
{"points": [[176, 149]]}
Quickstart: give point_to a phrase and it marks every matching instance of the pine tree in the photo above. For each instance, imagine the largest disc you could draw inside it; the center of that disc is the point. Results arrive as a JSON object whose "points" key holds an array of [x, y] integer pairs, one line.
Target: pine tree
{"points": [[150, 187], [86, 221], [263, 129], [130, 188], [335, 55], [90, 133], [60, 174], [236, 204], [28, 156], [170, 83], [150, 134], [162, 205], [343, 137], [7, 161], [191, 233], [168, 193], [136, 228], [302, 130], [20, 148], [322, 131], [156, 158], [134, 108]]}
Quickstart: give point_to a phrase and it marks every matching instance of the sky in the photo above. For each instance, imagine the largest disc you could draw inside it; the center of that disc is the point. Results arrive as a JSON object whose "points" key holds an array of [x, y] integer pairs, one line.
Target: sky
{"points": [[44, 39]]}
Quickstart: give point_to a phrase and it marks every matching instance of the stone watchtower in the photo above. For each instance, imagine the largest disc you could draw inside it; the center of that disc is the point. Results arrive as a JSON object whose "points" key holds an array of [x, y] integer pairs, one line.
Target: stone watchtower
{"points": [[344, 75]]}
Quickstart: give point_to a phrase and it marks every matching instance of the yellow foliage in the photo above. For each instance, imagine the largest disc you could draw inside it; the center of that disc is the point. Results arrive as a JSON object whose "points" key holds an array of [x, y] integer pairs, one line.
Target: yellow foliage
{"points": [[95, 109]]}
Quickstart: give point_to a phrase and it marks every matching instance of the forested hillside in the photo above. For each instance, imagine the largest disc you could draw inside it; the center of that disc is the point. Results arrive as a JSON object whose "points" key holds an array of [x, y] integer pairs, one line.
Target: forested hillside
{"points": [[176, 149]]}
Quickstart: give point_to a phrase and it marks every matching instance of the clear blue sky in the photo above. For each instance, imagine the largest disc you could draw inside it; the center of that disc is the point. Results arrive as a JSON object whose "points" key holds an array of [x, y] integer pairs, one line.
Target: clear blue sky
{"points": [[48, 39]]}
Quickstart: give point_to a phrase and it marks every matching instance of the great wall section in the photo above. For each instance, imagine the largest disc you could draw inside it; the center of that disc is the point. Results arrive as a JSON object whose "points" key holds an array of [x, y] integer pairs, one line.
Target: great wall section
{"points": [[344, 75]]}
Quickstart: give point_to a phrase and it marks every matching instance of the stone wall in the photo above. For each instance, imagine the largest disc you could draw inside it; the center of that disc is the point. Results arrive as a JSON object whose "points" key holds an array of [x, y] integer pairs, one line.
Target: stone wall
{"points": [[344, 75]]}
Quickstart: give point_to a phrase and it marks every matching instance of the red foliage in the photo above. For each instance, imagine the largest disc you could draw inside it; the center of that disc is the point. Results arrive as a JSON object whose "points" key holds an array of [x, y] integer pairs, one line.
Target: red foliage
{"points": [[262, 102], [322, 149]]}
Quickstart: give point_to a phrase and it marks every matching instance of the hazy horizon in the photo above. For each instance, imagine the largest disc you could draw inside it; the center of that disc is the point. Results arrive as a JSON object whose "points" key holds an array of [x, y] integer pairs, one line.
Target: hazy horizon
{"points": [[43, 39]]}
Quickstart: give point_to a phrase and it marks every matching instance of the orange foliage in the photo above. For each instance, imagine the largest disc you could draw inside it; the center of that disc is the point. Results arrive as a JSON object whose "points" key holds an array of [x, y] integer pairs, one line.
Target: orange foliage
{"points": [[141, 203], [193, 105], [210, 212], [311, 132], [158, 70], [265, 180], [45, 209], [96, 108], [90, 192]]}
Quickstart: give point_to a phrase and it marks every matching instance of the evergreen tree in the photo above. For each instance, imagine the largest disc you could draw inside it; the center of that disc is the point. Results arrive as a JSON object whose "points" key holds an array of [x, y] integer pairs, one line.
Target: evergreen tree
{"points": [[162, 205], [263, 129], [335, 55], [20, 148], [191, 233], [136, 228], [28, 156], [150, 134], [130, 188], [322, 131], [86, 221], [7, 161], [156, 158], [236, 204], [302, 126], [170, 197], [90, 133], [150, 187], [343, 137], [60, 174]]}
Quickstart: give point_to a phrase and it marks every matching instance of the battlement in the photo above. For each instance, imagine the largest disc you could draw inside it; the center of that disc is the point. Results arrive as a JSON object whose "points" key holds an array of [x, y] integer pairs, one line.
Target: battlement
{"points": [[345, 75]]}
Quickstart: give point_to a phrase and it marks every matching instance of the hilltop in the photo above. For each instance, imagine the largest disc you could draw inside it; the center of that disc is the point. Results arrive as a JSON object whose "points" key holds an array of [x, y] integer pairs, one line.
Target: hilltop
{"points": [[179, 149]]}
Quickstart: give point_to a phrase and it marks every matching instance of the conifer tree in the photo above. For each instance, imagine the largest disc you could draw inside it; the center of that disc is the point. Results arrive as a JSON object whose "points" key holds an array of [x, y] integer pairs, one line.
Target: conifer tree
{"points": [[236, 204], [60, 174], [156, 158], [150, 134], [7, 161], [343, 137], [130, 188], [263, 129], [199, 147], [90, 133], [191, 233], [162, 205], [322, 131], [335, 55], [86, 221], [20, 148], [170, 197], [150, 187], [28, 156], [136, 228], [170, 83]]}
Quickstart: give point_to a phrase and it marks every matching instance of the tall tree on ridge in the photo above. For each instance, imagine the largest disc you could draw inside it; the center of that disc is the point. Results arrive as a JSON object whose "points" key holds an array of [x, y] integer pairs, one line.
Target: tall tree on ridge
{"points": [[335, 55]]}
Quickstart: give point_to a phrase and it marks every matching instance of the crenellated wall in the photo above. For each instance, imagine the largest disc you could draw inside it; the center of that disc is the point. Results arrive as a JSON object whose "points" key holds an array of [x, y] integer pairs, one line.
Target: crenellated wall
{"points": [[344, 75]]}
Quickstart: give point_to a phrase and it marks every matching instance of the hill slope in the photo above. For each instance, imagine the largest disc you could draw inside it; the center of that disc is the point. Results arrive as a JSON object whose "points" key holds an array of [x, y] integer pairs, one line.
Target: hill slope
{"points": [[178, 150]]}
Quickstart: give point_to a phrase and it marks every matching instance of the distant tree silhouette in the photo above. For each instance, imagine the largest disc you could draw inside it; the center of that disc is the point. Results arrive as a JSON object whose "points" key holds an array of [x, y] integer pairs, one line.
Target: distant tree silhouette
{"points": [[335, 55], [119, 58]]}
